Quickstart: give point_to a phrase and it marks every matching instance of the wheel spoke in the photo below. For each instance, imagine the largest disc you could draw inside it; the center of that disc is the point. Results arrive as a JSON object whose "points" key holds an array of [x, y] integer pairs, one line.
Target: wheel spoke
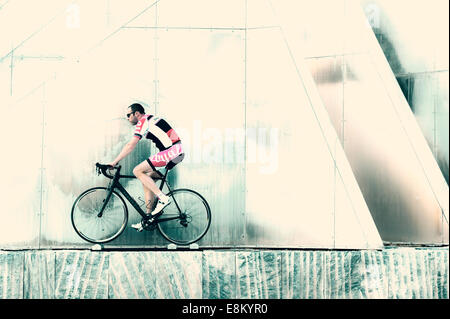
{"points": [[99, 229]]}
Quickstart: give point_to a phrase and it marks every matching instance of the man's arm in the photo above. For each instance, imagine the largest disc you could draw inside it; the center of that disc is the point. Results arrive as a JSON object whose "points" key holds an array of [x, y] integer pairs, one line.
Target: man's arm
{"points": [[127, 149]]}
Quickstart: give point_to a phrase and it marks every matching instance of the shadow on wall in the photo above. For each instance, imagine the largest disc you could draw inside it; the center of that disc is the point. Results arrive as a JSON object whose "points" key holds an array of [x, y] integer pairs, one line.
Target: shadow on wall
{"points": [[406, 82], [389, 51]]}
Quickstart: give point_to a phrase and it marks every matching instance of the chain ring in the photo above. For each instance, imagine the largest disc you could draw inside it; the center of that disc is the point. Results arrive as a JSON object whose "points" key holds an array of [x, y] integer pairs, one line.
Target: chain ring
{"points": [[147, 225]]}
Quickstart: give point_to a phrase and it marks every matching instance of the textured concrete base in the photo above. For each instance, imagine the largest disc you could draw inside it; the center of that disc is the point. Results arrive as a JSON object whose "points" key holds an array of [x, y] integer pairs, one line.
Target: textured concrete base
{"points": [[275, 274]]}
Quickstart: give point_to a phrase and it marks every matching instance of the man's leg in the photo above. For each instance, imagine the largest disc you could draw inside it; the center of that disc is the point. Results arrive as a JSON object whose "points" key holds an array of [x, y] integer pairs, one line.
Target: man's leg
{"points": [[149, 197], [142, 172]]}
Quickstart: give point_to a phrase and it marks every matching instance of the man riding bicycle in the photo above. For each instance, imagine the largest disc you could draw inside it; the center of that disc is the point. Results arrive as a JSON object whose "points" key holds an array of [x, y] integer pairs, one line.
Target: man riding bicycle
{"points": [[170, 150]]}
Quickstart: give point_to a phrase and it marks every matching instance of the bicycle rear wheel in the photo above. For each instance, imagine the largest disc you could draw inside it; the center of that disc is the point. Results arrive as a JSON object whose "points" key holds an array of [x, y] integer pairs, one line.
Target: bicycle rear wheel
{"points": [[89, 225], [187, 219]]}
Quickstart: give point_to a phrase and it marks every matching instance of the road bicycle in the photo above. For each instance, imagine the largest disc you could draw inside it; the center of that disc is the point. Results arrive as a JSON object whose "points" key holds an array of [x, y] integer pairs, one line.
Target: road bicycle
{"points": [[100, 214]]}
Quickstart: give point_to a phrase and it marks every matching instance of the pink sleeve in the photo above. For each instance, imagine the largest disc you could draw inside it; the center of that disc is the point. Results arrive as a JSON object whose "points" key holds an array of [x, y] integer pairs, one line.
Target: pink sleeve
{"points": [[140, 128]]}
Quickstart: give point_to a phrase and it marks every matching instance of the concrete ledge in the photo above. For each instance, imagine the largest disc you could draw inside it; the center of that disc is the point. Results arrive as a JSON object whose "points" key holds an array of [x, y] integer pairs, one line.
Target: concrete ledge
{"points": [[213, 274]]}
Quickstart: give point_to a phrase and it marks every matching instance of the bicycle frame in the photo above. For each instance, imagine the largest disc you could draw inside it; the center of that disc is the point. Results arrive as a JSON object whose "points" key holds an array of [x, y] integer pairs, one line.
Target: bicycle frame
{"points": [[116, 184]]}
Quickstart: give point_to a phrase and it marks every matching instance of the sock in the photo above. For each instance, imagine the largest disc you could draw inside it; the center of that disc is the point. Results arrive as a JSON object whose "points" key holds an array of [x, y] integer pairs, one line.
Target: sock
{"points": [[162, 197]]}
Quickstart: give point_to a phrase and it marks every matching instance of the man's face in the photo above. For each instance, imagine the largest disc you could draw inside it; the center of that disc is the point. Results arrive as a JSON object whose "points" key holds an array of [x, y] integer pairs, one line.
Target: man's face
{"points": [[132, 117]]}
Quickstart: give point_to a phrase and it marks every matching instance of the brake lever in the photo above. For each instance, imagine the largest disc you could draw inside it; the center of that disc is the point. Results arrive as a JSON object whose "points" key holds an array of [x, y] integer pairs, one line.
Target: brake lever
{"points": [[98, 169]]}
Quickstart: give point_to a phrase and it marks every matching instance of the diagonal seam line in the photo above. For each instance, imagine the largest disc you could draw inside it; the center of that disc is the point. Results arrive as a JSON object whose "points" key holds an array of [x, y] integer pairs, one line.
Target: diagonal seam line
{"points": [[122, 26], [52, 19], [320, 126], [89, 50], [34, 33]]}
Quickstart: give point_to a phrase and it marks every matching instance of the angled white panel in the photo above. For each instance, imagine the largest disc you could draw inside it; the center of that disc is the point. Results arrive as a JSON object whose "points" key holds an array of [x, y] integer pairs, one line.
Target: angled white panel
{"points": [[299, 205], [400, 180], [419, 61], [434, 180]]}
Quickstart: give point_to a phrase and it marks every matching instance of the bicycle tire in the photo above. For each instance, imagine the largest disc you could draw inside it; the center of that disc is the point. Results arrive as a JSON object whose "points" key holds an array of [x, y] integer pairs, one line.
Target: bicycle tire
{"points": [[92, 228], [193, 221]]}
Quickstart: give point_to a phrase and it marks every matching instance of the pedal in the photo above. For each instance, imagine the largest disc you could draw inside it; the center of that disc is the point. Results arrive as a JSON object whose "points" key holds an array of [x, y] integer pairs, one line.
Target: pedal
{"points": [[149, 225]]}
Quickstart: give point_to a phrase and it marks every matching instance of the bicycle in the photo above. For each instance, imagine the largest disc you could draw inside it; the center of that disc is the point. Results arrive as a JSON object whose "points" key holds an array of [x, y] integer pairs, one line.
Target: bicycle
{"points": [[100, 214]]}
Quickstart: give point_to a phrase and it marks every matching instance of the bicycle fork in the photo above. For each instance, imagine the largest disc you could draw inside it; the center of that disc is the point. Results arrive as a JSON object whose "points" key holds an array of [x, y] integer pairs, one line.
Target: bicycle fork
{"points": [[113, 184], [105, 202]]}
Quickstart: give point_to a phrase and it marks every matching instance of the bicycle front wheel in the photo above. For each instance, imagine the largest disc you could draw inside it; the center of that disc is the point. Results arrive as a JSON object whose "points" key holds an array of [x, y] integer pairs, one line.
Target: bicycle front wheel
{"points": [[96, 228], [187, 219]]}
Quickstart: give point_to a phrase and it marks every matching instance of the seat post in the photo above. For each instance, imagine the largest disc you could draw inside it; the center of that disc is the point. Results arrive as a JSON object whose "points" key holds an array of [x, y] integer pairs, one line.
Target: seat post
{"points": [[164, 178]]}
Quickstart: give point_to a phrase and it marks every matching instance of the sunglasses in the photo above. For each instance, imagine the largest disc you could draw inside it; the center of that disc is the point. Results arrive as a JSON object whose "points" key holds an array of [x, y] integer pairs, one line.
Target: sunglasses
{"points": [[129, 114]]}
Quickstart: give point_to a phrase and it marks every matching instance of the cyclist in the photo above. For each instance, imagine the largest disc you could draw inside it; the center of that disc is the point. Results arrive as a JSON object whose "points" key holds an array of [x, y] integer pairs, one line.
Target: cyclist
{"points": [[170, 150]]}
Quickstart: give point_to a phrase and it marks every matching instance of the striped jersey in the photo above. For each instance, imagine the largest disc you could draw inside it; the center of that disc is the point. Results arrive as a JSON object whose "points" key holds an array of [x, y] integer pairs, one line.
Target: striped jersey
{"points": [[157, 130]]}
